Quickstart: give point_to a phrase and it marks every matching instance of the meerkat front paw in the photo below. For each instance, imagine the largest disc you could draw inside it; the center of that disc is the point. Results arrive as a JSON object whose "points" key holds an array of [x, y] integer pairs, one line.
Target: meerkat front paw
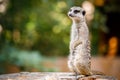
{"points": [[75, 44]]}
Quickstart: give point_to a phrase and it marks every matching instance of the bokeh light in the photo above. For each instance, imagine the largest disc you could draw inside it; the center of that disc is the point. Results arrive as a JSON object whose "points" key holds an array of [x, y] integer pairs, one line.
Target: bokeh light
{"points": [[89, 7]]}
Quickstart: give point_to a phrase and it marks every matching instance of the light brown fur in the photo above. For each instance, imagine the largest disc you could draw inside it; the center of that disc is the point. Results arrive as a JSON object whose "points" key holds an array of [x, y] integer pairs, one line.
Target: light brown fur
{"points": [[79, 58]]}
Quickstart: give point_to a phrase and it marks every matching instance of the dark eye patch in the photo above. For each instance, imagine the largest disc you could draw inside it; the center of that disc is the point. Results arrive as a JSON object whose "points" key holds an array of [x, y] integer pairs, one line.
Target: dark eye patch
{"points": [[76, 11]]}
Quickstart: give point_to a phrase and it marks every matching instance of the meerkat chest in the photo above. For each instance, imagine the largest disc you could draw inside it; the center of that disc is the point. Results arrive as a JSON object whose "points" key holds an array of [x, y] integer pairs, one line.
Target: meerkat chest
{"points": [[82, 33]]}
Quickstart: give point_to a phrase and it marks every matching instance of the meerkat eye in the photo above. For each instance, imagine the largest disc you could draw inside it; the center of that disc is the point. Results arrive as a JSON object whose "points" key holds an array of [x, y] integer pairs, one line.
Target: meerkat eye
{"points": [[76, 11]]}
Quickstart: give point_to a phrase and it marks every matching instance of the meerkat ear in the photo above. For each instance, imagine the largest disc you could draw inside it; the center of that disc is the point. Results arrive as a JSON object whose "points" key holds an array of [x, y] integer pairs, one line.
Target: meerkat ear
{"points": [[83, 12]]}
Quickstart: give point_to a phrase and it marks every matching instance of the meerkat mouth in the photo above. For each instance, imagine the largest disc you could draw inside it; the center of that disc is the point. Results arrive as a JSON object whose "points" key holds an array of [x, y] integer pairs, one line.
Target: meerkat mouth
{"points": [[71, 15]]}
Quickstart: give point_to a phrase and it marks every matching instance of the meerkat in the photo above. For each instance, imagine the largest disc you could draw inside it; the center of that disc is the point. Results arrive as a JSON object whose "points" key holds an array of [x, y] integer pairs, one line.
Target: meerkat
{"points": [[79, 58]]}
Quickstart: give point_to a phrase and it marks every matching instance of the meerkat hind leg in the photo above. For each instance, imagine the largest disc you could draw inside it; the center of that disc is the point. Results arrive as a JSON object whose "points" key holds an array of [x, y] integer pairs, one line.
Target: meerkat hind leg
{"points": [[78, 76]]}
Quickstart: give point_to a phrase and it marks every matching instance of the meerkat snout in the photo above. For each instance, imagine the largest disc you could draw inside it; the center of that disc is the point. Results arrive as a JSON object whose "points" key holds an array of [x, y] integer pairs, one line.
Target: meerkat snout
{"points": [[70, 15]]}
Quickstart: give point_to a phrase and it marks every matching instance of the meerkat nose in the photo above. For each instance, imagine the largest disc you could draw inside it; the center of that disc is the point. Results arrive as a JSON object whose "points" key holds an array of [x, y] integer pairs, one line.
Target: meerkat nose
{"points": [[70, 15]]}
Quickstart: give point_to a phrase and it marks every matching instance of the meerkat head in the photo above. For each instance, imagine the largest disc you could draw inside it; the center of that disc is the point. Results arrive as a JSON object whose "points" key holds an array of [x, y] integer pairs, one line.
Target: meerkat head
{"points": [[76, 13]]}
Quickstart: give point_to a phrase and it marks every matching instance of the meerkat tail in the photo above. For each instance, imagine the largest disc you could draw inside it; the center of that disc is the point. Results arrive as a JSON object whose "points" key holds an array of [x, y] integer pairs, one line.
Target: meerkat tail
{"points": [[97, 73]]}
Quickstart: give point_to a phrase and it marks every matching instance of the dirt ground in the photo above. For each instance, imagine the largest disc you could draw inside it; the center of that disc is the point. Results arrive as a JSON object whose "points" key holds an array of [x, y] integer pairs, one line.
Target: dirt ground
{"points": [[109, 66]]}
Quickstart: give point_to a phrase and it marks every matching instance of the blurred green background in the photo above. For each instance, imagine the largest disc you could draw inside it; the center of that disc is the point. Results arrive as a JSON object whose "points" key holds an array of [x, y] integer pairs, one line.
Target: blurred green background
{"points": [[34, 31]]}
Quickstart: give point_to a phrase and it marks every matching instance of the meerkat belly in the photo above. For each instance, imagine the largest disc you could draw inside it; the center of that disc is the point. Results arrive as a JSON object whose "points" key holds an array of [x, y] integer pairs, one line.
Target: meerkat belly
{"points": [[82, 54], [82, 61]]}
